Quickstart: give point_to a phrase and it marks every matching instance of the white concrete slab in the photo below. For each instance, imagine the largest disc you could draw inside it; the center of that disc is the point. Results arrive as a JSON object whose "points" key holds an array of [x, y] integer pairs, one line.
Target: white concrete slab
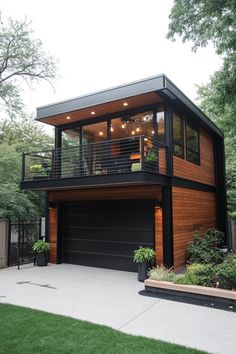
{"points": [[111, 298]]}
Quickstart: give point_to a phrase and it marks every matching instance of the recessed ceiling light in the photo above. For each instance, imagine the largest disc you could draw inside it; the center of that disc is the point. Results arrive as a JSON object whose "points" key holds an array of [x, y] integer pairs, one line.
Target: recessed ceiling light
{"points": [[68, 117], [125, 104], [93, 113]]}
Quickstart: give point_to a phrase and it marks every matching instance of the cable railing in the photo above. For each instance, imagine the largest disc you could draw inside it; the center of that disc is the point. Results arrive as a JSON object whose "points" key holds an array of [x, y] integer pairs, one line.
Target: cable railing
{"points": [[126, 155]]}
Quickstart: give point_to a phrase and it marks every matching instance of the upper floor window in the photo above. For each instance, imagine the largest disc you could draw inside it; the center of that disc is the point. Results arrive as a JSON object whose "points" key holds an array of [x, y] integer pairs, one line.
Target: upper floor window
{"points": [[192, 144], [178, 135], [160, 126]]}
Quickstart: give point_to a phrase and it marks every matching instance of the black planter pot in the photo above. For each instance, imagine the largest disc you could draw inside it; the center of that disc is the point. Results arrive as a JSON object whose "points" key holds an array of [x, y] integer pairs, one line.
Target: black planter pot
{"points": [[143, 269], [42, 259]]}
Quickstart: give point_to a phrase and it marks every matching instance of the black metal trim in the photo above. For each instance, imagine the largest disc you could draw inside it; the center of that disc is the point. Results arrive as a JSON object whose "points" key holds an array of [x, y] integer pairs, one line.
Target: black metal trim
{"points": [[185, 183], [168, 251], [138, 177]]}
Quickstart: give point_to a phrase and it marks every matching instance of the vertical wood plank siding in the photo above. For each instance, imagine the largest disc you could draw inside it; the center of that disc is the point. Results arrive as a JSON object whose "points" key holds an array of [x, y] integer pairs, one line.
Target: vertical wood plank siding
{"points": [[53, 234], [158, 235], [205, 173], [192, 210]]}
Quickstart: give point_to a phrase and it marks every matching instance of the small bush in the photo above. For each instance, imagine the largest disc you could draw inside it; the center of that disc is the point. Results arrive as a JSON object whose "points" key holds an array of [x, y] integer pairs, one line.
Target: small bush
{"points": [[199, 274], [41, 246], [232, 215], [162, 273], [206, 250], [226, 273]]}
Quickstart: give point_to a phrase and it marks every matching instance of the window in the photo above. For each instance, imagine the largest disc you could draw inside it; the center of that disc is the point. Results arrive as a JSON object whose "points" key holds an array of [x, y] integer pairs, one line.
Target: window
{"points": [[178, 133], [131, 126], [70, 137], [192, 144], [160, 126]]}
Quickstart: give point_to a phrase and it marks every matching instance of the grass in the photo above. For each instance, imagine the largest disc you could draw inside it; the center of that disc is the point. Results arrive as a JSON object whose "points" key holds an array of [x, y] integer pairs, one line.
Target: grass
{"points": [[27, 331]]}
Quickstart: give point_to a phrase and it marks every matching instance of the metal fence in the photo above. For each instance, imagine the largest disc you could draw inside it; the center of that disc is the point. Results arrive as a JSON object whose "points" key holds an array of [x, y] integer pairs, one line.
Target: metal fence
{"points": [[22, 236]]}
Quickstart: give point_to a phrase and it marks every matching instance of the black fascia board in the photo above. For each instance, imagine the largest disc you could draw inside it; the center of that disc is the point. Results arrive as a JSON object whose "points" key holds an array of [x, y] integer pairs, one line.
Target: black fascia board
{"points": [[176, 92], [158, 84], [151, 84]]}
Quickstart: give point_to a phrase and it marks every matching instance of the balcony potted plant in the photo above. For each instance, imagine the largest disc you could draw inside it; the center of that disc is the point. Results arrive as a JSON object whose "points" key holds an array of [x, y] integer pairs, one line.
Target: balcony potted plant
{"points": [[38, 171], [145, 257], [41, 249]]}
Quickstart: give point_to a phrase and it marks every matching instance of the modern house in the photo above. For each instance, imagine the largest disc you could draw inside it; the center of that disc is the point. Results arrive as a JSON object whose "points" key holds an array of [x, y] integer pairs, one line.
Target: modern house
{"points": [[137, 164]]}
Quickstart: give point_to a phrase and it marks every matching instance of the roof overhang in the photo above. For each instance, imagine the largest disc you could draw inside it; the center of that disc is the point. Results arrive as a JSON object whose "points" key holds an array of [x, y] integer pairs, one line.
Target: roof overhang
{"points": [[137, 94]]}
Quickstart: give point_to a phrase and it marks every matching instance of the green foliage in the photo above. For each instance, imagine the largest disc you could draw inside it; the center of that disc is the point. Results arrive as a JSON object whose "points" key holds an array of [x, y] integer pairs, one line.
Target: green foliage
{"points": [[144, 255], [162, 273], [38, 170], [206, 250], [17, 136], [226, 273], [22, 60], [151, 156], [232, 215], [199, 274], [201, 21], [41, 246]]}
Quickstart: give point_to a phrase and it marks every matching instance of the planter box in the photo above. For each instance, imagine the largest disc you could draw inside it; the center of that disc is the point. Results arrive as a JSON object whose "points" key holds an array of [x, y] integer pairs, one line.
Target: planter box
{"points": [[194, 294]]}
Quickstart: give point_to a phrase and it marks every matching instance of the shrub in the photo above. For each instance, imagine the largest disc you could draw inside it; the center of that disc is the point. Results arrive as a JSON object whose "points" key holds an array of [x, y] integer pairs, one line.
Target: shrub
{"points": [[144, 255], [232, 215], [199, 274], [226, 273], [206, 250], [162, 273]]}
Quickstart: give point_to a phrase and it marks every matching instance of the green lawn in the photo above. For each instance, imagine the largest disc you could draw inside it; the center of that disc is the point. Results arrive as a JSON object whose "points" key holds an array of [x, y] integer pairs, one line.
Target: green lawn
{"points": [[25, 331]]}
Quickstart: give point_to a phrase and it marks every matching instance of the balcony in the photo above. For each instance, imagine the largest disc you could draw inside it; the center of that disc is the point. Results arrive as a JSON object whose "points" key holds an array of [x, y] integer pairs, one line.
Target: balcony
{"points": [[136, 160]]}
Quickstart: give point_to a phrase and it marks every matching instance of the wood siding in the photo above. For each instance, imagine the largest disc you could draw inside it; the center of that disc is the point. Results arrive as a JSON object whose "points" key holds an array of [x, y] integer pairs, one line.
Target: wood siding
{"points": [[192, 210], [132, 192], [159, 235], [205, 173], [53, 235]]}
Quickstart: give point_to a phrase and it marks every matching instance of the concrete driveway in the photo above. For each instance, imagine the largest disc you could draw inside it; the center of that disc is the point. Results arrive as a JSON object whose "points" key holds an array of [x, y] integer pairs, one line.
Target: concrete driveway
{"points": [[111, 298]]}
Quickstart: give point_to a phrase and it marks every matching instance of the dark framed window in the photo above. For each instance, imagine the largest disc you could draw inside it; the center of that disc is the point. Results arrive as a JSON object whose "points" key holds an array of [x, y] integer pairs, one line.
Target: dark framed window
{"points": [[192, 144], [178, 135]]}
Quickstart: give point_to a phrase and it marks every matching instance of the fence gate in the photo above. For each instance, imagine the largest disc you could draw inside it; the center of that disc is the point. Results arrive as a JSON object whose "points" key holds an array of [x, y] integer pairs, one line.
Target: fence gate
{"points": [[22, 235]]}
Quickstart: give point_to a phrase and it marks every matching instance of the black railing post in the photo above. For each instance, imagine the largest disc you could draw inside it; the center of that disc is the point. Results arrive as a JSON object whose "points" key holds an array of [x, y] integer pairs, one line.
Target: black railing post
{"points": [[23, 167], [18, 250], [142, 152], [90, 159]]}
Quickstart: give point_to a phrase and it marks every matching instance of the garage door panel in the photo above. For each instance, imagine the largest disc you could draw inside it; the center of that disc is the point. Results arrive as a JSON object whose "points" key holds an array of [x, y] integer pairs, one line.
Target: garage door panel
{"points": [[105, 247], [122, 234], [105, 233], [98, 260]]}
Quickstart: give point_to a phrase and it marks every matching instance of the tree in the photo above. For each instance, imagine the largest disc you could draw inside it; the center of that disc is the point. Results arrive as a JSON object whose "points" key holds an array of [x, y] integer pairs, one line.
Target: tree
{"points": [[22, 59], [201, 22], [16, 137]]}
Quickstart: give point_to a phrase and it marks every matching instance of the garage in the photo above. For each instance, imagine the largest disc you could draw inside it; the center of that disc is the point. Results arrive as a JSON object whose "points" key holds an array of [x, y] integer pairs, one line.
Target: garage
{"points": [[105, 233]]}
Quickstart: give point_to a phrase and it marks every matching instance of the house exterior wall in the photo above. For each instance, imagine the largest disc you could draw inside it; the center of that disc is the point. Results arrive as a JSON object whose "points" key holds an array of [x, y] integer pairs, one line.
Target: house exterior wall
{"points": [[203, 173], [192, 210]]}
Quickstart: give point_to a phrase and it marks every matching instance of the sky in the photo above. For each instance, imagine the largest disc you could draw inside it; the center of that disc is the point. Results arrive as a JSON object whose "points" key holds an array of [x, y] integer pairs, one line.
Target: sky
{"points": [[100, 44]]}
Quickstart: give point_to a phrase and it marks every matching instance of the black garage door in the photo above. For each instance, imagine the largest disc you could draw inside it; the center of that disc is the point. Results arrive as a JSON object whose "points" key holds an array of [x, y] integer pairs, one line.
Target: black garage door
{"points": [[105, 233]]}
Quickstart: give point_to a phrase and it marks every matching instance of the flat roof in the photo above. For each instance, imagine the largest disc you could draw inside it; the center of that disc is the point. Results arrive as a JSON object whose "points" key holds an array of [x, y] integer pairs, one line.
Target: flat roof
{"points": [[159, 84]]}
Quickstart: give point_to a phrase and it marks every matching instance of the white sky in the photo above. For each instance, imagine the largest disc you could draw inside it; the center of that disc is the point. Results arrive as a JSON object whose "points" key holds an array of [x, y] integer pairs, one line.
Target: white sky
{"points": [[104, 43]]}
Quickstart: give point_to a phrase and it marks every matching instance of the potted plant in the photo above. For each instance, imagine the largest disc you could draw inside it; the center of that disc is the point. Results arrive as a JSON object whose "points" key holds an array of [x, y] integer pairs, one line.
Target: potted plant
{"points": [[41, 249], [145, 258], [38, 171]]}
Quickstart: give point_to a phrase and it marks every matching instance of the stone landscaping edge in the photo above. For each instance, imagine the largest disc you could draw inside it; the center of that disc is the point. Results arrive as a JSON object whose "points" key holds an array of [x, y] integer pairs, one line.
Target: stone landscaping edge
{"points": [[194, 294]]}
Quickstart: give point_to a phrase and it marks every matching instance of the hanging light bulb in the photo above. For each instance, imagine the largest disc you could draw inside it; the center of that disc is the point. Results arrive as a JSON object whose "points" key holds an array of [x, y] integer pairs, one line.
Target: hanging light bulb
{"points": [[123, 126], [138, 129], [100, 132], [112, 130], [133, 132], [153, 132]]}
